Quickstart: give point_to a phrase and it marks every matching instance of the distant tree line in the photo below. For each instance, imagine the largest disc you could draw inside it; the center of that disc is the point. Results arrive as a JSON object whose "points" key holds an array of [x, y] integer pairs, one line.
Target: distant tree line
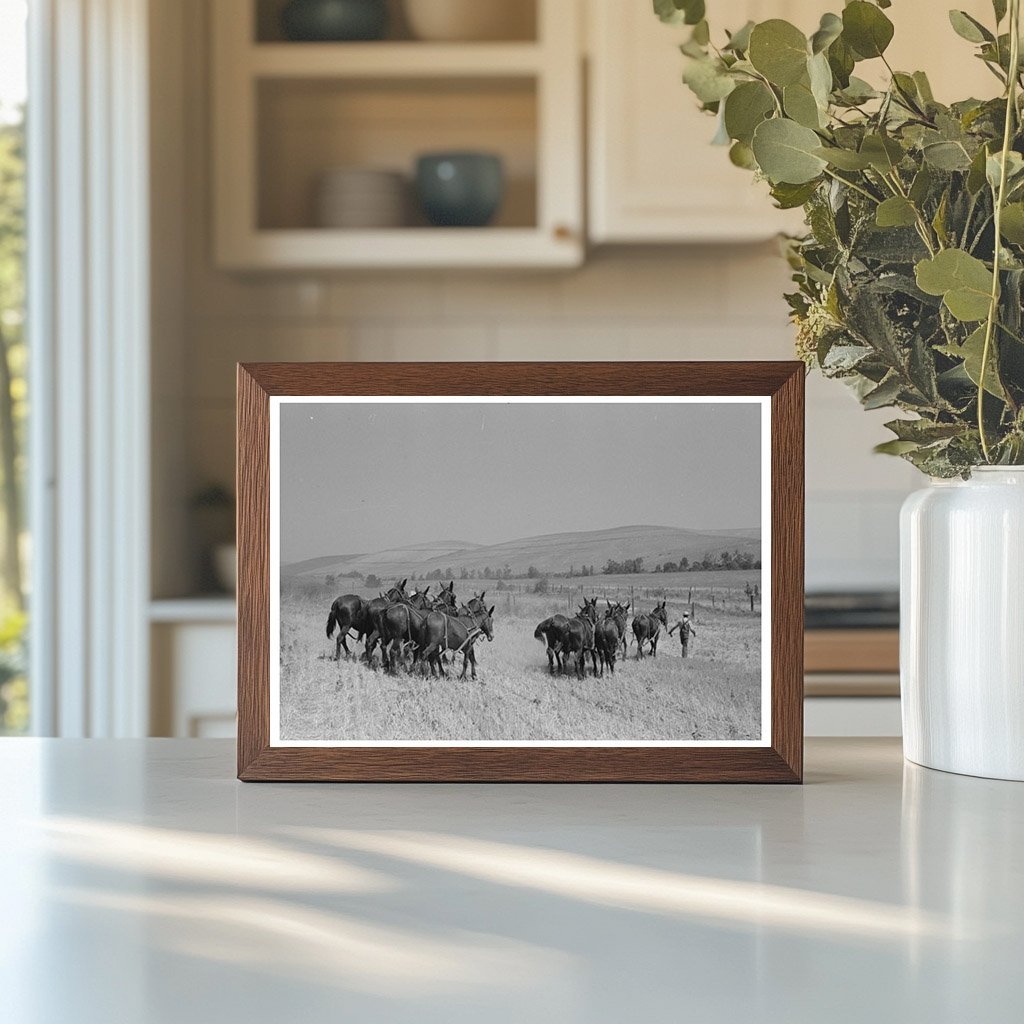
{"points": [[626, 567]]}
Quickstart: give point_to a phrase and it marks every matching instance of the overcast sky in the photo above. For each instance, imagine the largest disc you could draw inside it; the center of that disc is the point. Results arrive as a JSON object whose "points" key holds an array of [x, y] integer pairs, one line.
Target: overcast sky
{"points": [[362, 477]]}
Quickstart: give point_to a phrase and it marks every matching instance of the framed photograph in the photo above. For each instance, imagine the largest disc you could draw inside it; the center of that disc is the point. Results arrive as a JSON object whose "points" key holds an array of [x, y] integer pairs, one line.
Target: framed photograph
{"points": [[549, 572]]}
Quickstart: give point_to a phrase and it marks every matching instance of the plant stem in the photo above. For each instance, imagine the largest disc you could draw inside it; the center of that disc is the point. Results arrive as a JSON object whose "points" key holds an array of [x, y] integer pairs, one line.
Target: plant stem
{"points": [[923, 228], [993, 309], [849, 184]]}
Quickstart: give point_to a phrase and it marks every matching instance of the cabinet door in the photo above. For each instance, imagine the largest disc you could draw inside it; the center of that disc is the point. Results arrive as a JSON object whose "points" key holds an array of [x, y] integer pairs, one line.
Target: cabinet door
{"points": [[653, 175]]}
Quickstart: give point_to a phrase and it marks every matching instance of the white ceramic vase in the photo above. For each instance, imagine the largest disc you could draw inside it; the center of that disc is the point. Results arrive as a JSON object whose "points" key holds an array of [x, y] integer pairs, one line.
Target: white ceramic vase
{"points": [[962, 624]]}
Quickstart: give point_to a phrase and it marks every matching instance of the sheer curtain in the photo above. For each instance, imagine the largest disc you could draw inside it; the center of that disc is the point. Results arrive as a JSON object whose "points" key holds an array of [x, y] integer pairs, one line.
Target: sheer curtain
{"points": [[88, 300]]}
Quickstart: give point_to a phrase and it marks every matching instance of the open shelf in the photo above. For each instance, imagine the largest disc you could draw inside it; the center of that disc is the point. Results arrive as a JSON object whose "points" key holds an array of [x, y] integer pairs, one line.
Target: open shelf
{"points": [[393, 60], [405, 248], [286, 114], [519, 16], [308, 127]]}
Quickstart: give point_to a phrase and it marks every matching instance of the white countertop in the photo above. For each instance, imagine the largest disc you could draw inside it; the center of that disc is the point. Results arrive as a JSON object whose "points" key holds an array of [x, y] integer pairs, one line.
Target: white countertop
{"points": [[143, 885]]}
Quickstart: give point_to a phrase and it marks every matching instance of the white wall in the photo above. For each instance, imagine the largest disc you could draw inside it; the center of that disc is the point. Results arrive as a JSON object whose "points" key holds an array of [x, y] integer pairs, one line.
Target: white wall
{"points": [[656, 303]]}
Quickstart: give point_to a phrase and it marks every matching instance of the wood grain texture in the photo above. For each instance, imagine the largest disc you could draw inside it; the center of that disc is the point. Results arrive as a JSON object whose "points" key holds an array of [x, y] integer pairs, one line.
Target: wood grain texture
{"points": [[787, 569], [252, 487], [781, 762], [852, 650]]}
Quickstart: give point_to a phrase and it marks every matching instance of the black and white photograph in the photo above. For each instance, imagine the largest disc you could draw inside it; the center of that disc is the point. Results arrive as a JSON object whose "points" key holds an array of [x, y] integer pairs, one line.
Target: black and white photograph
{"points": [[519, 571]]}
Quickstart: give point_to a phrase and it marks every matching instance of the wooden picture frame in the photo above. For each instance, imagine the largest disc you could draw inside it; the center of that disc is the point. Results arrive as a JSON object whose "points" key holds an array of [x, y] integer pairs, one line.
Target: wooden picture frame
{"points": [[778, 759]]}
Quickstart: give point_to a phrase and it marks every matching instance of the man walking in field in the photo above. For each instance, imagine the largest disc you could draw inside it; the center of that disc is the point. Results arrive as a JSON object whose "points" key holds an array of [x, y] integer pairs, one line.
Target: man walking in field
{"points": [[685, 627]]}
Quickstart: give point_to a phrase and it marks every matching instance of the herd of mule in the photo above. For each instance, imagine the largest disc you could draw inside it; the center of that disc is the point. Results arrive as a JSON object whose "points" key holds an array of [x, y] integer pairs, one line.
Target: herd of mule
{"points": [[570, 641], [416, 626], [417, 630]]}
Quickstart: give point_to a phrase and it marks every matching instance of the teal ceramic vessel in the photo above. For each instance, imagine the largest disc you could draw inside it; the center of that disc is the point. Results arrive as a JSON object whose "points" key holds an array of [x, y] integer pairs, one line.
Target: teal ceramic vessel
{"points": [[334, 21], [460, 189]]}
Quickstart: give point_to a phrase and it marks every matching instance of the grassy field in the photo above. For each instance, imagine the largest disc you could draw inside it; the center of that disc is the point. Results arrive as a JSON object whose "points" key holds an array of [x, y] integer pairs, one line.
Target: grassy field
{"points": [[712, 695]]}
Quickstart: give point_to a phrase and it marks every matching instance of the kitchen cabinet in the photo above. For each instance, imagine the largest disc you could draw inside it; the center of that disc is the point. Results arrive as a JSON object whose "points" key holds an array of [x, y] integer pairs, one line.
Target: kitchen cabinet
{"points": [[286, 113], [192, 649], [653, 175]]}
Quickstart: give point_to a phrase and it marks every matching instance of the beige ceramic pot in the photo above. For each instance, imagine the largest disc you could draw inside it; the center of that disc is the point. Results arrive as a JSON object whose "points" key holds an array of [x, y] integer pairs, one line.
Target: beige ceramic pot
{"points": [[470, 20]]}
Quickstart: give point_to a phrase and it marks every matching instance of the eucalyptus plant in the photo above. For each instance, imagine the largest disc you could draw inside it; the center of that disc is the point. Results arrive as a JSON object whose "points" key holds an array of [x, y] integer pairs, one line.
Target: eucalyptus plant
{"points": [[910, 278]]}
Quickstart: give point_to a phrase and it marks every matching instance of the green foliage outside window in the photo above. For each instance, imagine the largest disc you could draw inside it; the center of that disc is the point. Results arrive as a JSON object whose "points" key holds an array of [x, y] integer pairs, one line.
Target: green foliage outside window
{"points": [[13, 413]]}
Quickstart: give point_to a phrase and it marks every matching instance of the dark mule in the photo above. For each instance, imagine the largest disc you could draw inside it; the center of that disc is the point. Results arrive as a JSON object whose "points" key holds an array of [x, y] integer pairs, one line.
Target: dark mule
{"points": [[610, 633], [647, 627], [579, 641], [458, 633], [374, 610], [552, 632], [347, 613], [446, 600], [399, 626]]}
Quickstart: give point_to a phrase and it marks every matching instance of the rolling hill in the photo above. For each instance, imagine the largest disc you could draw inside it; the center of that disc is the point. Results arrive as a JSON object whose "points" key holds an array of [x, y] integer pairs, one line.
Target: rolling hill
{"points": [[550, 553]]}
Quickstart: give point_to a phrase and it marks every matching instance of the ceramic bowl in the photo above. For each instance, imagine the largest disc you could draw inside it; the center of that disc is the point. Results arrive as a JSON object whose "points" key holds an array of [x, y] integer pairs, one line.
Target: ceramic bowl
{"points": [[334, 20], [460, 189], [470, 20], [360, 197]]}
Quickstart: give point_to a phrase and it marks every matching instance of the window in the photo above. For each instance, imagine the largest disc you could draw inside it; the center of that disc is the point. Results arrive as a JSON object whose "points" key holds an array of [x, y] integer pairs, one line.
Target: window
{"points": [[14, 548]]}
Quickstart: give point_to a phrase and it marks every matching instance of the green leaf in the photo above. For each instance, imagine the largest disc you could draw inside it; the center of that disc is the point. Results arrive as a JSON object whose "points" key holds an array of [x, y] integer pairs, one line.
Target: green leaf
{"points": [[841, 60], [739, 41], [858, 91], [708, 80], [1012, 225], [778, 50], [921, 185], [1014, 169], [976, 173], [896, 212], [820, 76], [741, 155], [883, 153], [694, 11], [969, 28], [667, 11], [939, 220], [844, 159], [745, 108], [697, 44], [866, 29], [829, 30], [971, 352], [947, 156], [924, 87], [963, 281], [785, 152], [923, 431], [884, 395], [896, 447], [800, 105], [906, 89], [789, 197], [676, 12]]}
